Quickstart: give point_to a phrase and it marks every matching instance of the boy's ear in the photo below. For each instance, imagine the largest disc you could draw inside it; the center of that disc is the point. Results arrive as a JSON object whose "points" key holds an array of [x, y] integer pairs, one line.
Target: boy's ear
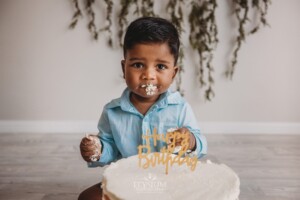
{"points": [[123, 67], [176, 68]]}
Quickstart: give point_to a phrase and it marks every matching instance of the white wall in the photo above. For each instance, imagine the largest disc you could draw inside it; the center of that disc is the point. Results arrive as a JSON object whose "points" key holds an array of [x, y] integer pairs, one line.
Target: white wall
{"points": [[52, 76]]}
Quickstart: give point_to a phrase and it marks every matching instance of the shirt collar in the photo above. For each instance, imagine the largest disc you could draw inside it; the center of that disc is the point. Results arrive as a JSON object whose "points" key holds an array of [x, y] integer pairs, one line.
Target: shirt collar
{"points": [[165, 99]]}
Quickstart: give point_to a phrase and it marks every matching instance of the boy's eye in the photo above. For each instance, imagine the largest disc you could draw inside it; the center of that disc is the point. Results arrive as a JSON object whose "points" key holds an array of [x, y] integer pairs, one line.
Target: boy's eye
{"points": [[137, 65], [161, 66]]}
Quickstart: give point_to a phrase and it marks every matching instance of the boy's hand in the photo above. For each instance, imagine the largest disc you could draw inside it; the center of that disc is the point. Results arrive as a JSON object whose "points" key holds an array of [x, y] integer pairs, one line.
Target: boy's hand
{"points": [[191, 138], [90, 148]]}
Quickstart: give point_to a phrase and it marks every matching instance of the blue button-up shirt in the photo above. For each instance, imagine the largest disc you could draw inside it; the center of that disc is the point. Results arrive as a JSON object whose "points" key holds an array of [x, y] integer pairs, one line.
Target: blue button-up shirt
{"points": [[121, 126]]}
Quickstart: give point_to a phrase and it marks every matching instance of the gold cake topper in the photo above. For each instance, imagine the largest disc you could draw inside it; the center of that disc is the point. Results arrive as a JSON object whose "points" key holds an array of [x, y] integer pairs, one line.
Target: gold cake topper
{"points": [[165, 156]]}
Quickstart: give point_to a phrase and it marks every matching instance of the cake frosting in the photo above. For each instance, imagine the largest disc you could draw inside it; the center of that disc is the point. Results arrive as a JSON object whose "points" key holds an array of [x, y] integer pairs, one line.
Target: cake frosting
{"points": [[150, 89], [125, 180]]}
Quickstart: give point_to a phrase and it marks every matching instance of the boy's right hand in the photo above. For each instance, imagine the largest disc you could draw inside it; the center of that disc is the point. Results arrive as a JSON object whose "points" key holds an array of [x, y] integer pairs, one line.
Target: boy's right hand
{"points": [[90, 148]]}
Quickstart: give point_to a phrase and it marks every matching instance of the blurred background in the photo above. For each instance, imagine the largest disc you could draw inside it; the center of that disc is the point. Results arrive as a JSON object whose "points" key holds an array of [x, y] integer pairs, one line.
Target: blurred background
{"points": [[53, 79]]}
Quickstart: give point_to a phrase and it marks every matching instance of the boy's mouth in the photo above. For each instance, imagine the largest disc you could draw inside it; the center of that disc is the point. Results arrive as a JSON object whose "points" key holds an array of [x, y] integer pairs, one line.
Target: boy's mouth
{"points": [[149, 88]]}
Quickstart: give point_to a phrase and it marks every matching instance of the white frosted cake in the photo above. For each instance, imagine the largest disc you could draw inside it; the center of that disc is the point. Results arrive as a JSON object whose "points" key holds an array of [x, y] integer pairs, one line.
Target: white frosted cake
{"points": [[127, 181]]}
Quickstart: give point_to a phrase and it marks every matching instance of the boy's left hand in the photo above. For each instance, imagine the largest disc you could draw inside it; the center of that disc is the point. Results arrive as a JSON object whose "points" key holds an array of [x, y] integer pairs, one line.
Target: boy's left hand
{"points": [[192, 140]]}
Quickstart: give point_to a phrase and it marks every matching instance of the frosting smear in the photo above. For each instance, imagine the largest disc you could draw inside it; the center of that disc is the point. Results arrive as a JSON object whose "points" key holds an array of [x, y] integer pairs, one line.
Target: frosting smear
{"points": [[150, 89]]}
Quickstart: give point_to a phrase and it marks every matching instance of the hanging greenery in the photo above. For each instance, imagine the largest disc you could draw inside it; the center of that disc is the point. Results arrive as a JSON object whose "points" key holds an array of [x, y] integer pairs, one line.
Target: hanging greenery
{"points": [[175, 9], [123, 22], [241, 10], [203, 31], [77, 14], [203, 39], [107, 28]]}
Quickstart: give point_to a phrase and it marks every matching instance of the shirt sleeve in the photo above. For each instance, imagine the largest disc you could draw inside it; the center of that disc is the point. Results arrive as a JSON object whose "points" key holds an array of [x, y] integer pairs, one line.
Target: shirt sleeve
{"points": [[189, 121], [109, 150]]}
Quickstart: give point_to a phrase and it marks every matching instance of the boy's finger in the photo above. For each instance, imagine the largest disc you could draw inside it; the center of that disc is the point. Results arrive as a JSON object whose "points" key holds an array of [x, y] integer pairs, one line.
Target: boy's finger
{"points": [[86, 142], [87, 156], [86, 145]]}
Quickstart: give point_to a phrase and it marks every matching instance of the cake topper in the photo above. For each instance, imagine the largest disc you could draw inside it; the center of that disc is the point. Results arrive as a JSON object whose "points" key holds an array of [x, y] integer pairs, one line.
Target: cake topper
{"points": [[166, 155]]}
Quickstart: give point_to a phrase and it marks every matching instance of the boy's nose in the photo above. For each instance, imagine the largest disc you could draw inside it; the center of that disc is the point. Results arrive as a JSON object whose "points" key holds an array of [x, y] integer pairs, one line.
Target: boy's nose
{"points": [[148, 74]]}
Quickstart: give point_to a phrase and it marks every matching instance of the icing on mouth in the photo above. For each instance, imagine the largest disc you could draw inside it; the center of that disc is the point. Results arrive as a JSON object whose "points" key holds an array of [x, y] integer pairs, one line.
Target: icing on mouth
{"points": [[150, 89]]}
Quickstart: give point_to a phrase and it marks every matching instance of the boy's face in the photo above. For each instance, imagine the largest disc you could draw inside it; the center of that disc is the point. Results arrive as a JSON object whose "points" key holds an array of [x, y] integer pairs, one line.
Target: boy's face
{"points": [[149, 69]]}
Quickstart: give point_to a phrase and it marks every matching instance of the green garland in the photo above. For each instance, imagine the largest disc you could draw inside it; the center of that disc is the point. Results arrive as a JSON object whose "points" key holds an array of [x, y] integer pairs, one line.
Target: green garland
{"points": [[175, 9], [204, 40], [241, 12], [203, 35], [76, 16], [107, 28]]}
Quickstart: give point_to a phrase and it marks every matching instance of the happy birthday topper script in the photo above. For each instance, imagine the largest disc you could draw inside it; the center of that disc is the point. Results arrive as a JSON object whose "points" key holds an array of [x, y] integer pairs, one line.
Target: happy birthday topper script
{"points": [[165, 156]]}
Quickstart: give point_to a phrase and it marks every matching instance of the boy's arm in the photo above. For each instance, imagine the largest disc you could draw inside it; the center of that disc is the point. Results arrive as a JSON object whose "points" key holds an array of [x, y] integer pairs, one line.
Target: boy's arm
{"points": [[109, 151], [189, 121]]}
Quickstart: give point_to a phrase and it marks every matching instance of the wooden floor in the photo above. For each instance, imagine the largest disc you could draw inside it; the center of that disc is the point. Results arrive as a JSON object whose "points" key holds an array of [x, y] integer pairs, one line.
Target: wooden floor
{"points": [[49, 166]]}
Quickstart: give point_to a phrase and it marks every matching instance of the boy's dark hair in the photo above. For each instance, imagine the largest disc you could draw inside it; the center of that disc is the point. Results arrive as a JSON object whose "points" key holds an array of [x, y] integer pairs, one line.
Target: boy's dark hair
{"points": [[152, 30]]}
